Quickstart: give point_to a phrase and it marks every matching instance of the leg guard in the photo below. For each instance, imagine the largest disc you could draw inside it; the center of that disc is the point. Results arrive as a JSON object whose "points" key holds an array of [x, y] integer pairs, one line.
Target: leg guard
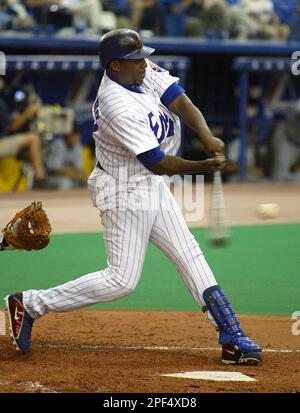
{"points": [[226, 320]]}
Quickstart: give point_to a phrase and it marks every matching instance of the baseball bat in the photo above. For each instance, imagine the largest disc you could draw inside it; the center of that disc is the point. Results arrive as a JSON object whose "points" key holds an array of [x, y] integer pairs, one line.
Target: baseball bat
{"points": [[218, 231]]}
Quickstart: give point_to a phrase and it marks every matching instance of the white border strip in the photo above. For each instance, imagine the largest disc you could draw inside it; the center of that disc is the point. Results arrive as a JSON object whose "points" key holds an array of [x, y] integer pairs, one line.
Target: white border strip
{"points": [[150, 348]]}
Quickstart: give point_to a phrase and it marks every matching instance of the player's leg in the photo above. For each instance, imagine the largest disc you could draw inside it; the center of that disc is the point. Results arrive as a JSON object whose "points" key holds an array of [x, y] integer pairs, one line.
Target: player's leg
{"points": [[237, 347], [13, 144], [171, 234], [126, 234], [32, 142], [10, 145]]}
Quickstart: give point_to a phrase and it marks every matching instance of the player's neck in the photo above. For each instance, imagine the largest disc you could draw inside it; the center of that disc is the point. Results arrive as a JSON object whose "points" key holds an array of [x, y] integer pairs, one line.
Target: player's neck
{"points": [[132, 88], [115, 78]]}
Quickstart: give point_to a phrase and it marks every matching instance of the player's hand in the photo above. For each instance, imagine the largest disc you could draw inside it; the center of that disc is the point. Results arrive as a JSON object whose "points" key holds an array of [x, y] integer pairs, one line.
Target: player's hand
{"points": [[215, 163], [214, 146]]}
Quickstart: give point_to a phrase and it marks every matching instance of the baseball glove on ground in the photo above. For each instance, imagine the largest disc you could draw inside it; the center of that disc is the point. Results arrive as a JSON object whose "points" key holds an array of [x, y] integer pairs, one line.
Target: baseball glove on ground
{"points": [[29, 229]]}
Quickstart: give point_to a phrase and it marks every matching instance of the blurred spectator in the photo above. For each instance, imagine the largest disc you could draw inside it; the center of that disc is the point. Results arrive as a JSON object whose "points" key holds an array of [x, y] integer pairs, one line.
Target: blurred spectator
{"points": [[196, 17], [12, 144], [146, 15], [64, 161], [56, 13], [285, 10], [76, 14], [122, 11], [90, 14], [215, 18], [26, 105], [14, 16], [175, 16], [42, 13], [295, 24], [256, 19], [140, 15], [286, 146], [233, 155]]}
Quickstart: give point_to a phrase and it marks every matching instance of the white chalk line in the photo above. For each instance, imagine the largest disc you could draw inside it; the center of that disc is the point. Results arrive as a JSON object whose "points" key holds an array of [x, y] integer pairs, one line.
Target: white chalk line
{"points": [[29, 386], [150, 348]]}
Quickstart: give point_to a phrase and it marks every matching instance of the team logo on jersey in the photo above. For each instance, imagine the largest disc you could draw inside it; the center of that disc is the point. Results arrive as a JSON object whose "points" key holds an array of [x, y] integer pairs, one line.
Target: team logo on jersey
{"points": [[163, 128], [96, 114], [155, 67], [95, 110]]}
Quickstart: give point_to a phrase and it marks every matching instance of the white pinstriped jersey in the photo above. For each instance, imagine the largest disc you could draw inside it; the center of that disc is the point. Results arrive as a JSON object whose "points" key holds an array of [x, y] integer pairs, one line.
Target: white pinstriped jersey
{"points": [[131, 123]]}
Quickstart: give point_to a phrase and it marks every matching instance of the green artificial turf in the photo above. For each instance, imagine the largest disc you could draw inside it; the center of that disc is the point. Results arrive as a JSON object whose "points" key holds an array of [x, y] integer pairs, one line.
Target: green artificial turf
{"points": [[259, 270]]}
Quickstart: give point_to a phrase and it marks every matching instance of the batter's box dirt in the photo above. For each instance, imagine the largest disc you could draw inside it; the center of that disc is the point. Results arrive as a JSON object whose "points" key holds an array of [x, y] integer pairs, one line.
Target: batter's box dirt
{"points": [[128, 351]]}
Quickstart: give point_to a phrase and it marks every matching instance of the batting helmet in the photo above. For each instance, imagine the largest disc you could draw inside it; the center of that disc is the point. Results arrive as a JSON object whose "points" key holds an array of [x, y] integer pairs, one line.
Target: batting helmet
{"points": [[122, 44]]}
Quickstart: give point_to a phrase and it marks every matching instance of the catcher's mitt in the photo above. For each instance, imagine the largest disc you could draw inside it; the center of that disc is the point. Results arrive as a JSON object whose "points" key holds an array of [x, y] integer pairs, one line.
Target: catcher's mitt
{"points": [[29, 229]]}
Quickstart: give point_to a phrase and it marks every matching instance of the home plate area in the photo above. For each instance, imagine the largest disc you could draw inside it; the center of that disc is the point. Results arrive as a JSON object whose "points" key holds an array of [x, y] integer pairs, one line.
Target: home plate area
{"points": [[211, 375]]}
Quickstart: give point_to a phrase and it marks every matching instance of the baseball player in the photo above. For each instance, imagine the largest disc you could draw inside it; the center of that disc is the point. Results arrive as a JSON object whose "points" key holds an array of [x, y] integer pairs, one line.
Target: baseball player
{"points": [[137, 115]]}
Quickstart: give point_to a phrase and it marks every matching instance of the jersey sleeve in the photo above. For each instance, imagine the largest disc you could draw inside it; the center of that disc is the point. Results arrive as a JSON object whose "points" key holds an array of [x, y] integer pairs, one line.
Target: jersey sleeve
{"points": [[133, 132], [165, 85], [150, 158]]}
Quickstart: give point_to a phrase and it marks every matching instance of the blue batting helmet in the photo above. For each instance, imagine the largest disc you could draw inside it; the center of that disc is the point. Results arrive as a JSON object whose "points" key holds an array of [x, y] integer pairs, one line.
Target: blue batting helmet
{"points": [[122, 44]]}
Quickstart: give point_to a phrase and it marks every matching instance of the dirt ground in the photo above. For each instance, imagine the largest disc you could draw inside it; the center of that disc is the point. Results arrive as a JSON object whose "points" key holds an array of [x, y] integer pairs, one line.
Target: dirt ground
{"points": [[124, 352], [128, 351]]}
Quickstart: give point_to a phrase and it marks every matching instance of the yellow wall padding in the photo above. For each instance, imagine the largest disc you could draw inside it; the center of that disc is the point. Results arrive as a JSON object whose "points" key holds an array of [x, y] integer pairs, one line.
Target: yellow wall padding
{"points": [[88, 159], [10, 174]]}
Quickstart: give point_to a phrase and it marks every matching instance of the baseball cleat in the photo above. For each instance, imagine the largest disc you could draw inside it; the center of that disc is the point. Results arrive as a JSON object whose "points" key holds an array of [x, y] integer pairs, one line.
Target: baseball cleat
{"points": [[230, 355], [239, 349], [20, 322]]}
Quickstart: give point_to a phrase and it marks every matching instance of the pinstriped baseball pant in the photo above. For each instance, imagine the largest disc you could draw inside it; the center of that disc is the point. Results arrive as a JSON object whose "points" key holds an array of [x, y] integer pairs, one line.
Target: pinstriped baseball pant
{"points": [[144, 212]]}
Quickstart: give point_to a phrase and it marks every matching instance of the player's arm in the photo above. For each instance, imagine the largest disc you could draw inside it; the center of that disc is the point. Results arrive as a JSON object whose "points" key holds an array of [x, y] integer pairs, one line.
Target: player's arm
{"points": [[23, 117], [174, 165], [173, 96], [160, 164], [183, 107]]}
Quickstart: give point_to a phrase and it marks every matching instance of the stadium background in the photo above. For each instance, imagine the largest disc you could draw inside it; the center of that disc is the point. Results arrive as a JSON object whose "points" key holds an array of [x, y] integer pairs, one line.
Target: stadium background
{"points": [[259, 270]]}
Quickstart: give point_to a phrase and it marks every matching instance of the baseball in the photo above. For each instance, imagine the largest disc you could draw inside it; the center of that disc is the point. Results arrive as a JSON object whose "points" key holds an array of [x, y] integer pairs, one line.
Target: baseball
{"points": [[268, 211]]}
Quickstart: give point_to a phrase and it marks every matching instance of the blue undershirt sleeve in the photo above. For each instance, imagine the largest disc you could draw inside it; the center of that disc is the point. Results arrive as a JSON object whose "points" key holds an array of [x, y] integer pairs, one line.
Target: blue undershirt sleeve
{"points": [[150, 158], [171, 94]]}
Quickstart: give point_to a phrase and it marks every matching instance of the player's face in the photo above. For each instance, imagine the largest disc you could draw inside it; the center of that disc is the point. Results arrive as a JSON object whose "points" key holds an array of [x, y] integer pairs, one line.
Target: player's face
{"points": [[132, 72]]}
